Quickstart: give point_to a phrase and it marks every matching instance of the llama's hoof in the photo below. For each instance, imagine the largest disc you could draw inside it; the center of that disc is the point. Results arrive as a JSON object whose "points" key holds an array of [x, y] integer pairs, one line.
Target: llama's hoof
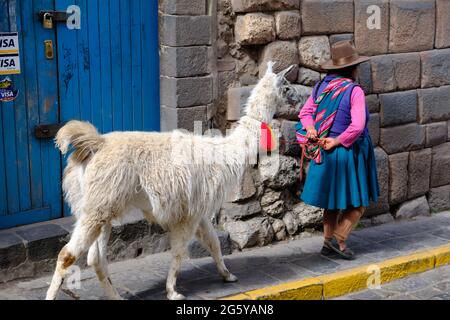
{"points": [[175, 296], [230, 278]]}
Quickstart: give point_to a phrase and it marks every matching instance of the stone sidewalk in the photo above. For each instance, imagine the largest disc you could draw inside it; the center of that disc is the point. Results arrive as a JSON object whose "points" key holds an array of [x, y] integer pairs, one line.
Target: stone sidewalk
{"points": [[144, 278]]}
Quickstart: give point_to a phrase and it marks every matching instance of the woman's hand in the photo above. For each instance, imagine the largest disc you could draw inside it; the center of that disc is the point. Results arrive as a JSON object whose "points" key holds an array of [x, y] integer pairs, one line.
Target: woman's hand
{"points": [[330, 143], [311, 133]]}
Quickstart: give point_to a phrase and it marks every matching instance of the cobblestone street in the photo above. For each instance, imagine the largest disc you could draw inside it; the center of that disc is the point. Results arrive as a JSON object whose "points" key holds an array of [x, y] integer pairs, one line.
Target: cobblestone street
{"points": [[144, 278]]}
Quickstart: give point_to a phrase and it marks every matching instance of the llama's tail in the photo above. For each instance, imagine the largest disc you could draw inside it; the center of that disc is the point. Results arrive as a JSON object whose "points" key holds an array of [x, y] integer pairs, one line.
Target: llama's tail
{"points": [[83, 137]]}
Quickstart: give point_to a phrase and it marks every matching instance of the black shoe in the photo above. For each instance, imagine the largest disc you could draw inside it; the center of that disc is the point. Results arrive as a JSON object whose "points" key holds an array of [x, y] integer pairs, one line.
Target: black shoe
{"points": [[346, 254], [326, 251]]}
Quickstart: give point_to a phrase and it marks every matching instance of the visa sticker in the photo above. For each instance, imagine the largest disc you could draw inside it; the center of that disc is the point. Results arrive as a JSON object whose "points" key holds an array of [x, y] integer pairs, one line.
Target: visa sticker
{"points": [[7, 91]]}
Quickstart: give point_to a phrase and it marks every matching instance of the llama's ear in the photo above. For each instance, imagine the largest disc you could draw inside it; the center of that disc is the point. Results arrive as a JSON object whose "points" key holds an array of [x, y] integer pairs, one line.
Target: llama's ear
{"points": [[286, 71], [270, 65]]}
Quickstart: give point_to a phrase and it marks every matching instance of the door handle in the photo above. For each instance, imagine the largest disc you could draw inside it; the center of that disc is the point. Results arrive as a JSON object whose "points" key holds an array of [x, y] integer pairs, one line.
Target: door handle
{"points": [[47, 131], [49, 53]]}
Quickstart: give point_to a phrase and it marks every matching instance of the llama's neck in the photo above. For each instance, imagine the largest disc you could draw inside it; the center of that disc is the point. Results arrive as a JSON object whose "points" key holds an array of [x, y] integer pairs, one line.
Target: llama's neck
{"points": [[243, 141]]}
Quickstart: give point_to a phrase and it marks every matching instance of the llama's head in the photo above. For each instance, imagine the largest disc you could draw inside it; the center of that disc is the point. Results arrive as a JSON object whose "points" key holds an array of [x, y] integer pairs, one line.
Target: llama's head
{"points": [[272, 91]]}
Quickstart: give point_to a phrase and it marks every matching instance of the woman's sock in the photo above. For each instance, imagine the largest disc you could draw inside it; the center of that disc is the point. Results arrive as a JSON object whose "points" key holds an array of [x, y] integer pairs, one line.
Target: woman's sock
{"points": [[329, 224], [346, 224]]}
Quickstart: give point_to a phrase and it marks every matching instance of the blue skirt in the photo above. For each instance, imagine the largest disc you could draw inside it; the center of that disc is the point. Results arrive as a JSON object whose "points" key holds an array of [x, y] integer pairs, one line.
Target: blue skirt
{"points": [[346, 178]]}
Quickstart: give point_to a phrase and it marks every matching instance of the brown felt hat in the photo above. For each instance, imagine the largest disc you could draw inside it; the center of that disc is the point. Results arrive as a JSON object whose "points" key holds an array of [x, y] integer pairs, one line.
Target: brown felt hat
{"points": [[343, 54]]}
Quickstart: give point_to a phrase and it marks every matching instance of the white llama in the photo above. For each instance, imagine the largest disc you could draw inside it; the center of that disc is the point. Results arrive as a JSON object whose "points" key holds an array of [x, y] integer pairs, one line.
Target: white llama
{"points": [[161, 174]]}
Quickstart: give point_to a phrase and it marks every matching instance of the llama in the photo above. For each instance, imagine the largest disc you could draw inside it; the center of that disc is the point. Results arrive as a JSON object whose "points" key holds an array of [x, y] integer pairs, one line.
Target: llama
{"points": [[160, 174]]}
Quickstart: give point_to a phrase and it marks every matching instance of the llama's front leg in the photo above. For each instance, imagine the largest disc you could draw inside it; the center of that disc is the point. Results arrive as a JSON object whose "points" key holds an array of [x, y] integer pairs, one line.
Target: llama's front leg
{"points": [[208, 238], [82, 238], [179, 238], [97, 258], [172, 294]]}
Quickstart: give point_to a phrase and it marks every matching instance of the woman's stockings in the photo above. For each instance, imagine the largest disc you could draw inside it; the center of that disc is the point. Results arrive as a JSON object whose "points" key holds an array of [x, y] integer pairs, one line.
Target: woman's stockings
{"points": [[347, 222]]}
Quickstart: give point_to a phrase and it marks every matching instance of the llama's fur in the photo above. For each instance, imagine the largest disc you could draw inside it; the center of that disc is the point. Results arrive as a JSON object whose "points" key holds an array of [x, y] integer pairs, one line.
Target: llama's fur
{"points": [[177, 179]]}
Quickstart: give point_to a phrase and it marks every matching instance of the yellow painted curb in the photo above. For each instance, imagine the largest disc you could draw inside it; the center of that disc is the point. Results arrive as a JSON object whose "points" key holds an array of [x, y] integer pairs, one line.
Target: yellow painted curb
{"points": [[351, 280], [307, 289], [442, 255]]}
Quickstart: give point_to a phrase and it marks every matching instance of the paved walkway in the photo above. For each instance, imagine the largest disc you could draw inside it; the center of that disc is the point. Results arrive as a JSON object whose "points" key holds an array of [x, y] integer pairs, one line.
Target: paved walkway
{"points": [[144, 278]]}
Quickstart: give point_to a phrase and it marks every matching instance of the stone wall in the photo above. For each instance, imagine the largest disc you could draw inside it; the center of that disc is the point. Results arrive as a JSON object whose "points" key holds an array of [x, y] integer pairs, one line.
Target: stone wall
{"points": [[407, 83], [187, 62]]}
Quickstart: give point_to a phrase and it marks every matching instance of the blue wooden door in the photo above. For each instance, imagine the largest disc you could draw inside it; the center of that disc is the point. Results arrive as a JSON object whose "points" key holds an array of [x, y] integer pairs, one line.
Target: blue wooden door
{"points": [[106, 72], [30, 169], [109, 68]]}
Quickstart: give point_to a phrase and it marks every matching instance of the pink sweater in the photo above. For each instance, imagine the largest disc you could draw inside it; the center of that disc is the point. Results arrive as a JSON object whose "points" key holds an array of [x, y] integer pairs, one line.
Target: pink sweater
{"points": [[357, 111]]}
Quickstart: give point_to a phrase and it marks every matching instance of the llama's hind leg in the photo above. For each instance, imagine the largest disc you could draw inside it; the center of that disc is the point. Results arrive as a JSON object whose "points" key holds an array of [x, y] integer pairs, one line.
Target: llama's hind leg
{"points": [[97, 258], [208, 238], [82, 238]]}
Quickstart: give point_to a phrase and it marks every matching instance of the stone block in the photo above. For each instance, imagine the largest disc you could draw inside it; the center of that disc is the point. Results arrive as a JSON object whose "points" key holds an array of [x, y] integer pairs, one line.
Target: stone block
{"points": [[308, 77], [288, 144], [419, 173], [412, 25], [280, 172], [43, 241], [184, 61], [382, 205], [340, 37], [434, 104], [365, 77], [12, 250], [398, 182], [398, 108], [291, 111], [249, 233], [439, 198], [435, 68], [279, 228], [237, 98], [288, 24], [182, 118], [182, 31], [244, 189], [263, 5], [373, 103], [186, 92], [274, 209], [270, 196], [183, 7], [442, 24], [284, 54], [448, 130], [327, 16], [237, 211], [369, 39], [374, 128], [255, 28], [196, 249], [127, 234], [314, 51], [440, 164], [307, 216], [402, 138], [406, 67], [395, 72], [413, 208], [436, 134]]}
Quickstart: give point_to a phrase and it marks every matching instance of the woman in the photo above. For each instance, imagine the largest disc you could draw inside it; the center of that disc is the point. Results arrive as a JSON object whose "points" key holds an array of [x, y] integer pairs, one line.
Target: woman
{"points": [[334, 135]]}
